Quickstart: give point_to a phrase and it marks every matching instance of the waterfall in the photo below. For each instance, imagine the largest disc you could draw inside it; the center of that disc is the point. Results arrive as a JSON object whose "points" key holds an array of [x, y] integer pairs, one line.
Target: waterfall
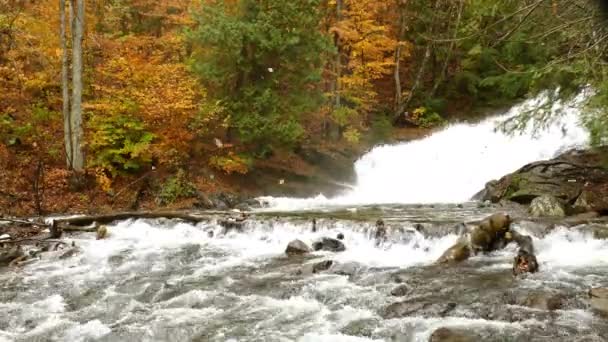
{"points": [[452, 165]]}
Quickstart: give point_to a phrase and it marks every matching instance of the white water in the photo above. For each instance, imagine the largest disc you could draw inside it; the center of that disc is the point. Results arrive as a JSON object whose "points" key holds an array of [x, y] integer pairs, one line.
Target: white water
{"points": [[316, 313], [452, 165]]}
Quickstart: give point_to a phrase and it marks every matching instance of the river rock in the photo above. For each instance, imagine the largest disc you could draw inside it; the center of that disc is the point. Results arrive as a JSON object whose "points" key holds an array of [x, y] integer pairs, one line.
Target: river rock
{"points": [[297, 247], [567, 177], [400, 291], [322, 266], [347, 268], [457, 253], [329, 244], [547, 206], [599, 300], [544, 301], [9, 254], [452, 335], [418, 308], [317, 267]]}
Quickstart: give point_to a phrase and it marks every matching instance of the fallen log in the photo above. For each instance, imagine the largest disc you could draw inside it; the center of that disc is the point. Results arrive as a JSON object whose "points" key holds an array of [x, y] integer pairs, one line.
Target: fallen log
{"points": [[109, 218]]}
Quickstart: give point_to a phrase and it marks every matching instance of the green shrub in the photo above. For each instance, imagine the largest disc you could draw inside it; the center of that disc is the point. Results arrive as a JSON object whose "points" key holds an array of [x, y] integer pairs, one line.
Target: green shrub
{"points": [[174, 188], [119, 143]]}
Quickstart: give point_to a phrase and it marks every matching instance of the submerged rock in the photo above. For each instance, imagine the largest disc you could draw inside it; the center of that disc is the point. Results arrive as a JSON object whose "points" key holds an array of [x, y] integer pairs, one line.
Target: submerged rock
{"points": [[599, 300], [452, 335], [544, 301], [317, 267], [297, 247], [348, 268], [329, 244], [418, 308], [547, 206]]}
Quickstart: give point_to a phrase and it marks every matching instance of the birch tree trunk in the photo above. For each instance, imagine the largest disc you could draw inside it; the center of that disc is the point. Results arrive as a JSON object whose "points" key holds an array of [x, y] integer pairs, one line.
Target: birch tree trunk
{"points": [[67, 127], [398, 108], [76, 115]]}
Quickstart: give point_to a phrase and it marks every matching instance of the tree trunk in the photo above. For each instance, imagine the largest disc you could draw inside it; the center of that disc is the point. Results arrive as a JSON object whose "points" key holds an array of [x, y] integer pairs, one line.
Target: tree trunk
{"points": [[76, 115], [401, 4], [444, 69], [67, 128], [338, 62]]}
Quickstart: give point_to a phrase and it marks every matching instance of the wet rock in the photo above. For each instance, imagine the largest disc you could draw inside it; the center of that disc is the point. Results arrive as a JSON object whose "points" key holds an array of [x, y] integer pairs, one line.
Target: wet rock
{"points": [[418, 308], [400, 291], [322, 266], [232, 224], [69, 253], [524, 263], [328, 244], [452, 335], [592, 199], [598, 299], [457, 253], [317, 267], [547, 206], [361, 327], [380, 234], [9, 254], [297, 247], [348, 268], [567, 177], [544, 301]]}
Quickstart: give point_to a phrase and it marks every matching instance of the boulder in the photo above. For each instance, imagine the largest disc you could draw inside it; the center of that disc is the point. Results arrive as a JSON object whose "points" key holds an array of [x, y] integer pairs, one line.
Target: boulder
{"points": [[457, 253], [599, 300], [329, 244], [547, 206], [297, 247], [452, 335], [574, 174]]}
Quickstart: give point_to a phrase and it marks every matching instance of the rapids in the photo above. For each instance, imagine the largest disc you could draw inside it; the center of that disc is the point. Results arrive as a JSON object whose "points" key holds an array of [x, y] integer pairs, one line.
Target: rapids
{"points": [[159, 280]]}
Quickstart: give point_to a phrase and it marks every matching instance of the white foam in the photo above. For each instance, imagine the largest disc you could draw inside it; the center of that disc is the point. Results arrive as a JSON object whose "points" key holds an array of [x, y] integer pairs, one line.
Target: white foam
{"points": [[90, 330]]}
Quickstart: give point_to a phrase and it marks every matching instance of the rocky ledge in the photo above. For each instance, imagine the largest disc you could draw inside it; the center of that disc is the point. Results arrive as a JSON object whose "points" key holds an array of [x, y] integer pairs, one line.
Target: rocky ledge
{"points": [[572, 183]]}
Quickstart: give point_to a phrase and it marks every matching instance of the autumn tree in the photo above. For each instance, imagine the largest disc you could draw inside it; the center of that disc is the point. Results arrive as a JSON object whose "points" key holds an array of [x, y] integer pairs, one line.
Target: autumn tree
{"points": [[262, 60], [365, 44]]}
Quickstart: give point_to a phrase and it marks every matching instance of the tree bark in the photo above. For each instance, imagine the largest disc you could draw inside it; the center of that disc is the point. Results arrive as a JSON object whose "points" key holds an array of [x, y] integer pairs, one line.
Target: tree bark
{"points": [[450, 51], [76, 115], [338, 62], [397, 70], [67, 127]]}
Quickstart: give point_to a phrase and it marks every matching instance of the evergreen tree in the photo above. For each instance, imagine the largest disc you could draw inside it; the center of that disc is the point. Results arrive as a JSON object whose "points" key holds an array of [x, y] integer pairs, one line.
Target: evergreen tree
{"points": [[262, 60]]}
